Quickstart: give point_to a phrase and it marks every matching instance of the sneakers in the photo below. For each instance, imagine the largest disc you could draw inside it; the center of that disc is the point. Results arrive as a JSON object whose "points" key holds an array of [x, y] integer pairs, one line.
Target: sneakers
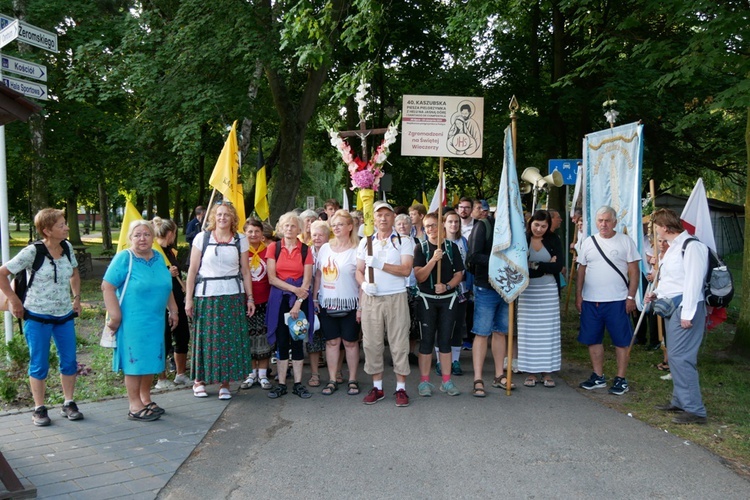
{"points": [[467, 346], [425, 389], [594, 382], [70, 410], [40, 418], [456, 369], [438, 369], [164, 385], [449, 388], [619, 387], [373, 396], [402, 399], [182, 379], [669, 408]]}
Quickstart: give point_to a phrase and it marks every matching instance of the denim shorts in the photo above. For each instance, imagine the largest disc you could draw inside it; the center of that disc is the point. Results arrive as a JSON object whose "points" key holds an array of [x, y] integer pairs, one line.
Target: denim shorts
{"points": [[490, 312]]}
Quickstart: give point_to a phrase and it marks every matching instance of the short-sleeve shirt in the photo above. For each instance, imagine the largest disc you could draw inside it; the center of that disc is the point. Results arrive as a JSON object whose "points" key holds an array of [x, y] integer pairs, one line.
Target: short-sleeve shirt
{"points": [[259, 277], [46, 295], [219, 260], [602, 283], [289, 264], [390, 251], [338, 283], [447, 268]]}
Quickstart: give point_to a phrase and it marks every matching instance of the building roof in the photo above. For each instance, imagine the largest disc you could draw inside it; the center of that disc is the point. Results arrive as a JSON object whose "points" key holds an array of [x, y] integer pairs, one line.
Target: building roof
{"points": [[14, 106]]}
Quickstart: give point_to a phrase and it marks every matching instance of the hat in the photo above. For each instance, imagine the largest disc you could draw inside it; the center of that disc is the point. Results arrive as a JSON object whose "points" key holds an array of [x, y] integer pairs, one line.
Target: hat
{"points": [[485, 205], [297, 327], [382, 204]]}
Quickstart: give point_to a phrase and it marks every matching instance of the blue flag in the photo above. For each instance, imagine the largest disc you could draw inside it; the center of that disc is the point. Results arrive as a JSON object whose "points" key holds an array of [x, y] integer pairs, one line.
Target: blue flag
{"points": [[509, 261]]}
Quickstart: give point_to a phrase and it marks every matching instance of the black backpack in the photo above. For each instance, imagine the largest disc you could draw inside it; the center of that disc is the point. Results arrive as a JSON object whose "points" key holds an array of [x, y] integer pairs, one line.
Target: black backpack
{"points": [[303, 250], [718, 286], [23, 280]]}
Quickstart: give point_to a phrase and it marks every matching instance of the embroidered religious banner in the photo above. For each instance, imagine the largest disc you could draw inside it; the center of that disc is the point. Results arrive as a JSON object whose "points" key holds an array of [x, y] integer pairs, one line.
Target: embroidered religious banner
{"points": [[611, 171], [509, 266]]}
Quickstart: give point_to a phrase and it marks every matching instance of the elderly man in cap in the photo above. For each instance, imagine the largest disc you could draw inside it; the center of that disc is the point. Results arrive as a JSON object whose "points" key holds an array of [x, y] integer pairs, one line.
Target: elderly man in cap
{"points": [[383, 305]]}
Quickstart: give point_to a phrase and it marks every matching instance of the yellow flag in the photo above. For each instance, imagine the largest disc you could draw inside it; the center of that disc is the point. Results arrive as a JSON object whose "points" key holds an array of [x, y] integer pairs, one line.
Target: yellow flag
{"points": [[226, 175], [131, 214], [424, 200], [359, 200], [261, 194]]}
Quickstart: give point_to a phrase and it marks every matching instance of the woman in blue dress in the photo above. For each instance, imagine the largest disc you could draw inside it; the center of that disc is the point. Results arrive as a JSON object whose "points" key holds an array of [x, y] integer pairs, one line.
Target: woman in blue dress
{"points": [[139, 320]]}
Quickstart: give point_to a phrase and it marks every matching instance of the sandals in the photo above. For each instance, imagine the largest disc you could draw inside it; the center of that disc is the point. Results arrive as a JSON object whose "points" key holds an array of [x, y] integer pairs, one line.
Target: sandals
{"points": [[548, 382], [339, 378], [199, 391], [277, 391], [265, 384], [249, 382], [314, 380], [301, 391], [155, 408], [330, 388], [224, 394], [145, 414], [531, 381], [478, 392], [663, 367], [353, 388], [502, 383]]}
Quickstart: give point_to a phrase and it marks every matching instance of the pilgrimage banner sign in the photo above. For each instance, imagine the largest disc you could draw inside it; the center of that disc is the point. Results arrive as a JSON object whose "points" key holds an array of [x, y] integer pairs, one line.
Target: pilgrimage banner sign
{"points": [[442, 126]]}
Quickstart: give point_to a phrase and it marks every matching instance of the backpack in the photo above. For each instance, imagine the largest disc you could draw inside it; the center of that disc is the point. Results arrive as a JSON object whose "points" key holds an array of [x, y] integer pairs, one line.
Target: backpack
{"points": [[303, 251], [23, 279], [718, 286], [206, 242]]}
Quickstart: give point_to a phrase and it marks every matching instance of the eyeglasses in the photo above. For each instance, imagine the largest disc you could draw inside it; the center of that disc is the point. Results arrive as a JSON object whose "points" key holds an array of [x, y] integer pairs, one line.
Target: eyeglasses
{"points": [[464, 207], [430, 226]]}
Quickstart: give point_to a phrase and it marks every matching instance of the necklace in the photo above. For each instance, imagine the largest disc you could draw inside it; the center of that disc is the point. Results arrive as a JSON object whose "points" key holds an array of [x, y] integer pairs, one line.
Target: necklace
{"points": [[216, 237]]}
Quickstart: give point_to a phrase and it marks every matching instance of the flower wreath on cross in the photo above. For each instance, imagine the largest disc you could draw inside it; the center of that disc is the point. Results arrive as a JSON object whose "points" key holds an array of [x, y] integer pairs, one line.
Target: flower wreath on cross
{"points": [[365, 174]]}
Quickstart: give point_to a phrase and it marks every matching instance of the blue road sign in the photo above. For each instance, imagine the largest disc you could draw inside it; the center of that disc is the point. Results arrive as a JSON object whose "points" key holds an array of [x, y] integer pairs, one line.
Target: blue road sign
{"points": [[567, 168]]}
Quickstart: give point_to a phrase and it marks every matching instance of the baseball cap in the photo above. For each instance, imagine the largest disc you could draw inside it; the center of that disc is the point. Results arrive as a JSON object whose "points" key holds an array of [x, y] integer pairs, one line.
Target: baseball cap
{"points": [[485, 205], [382, 204]]}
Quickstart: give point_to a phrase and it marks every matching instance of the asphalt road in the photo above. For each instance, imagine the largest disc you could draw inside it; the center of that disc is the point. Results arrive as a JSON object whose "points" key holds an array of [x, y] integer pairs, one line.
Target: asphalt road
{"points": [[537, 443]]}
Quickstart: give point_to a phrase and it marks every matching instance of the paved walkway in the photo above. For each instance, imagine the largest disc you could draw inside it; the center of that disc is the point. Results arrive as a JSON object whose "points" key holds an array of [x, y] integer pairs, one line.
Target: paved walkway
{"points": [[538, 443], [106, 455]]}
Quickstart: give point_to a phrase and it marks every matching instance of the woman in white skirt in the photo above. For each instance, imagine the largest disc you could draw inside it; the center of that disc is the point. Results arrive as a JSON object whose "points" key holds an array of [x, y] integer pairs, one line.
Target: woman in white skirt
{"points": [[539, 305]]}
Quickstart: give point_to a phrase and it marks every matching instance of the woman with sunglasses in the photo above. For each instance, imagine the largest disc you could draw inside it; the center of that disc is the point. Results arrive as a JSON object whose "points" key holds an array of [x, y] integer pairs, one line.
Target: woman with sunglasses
{"points": [[218, 298], [337, 298], [437, 302]]}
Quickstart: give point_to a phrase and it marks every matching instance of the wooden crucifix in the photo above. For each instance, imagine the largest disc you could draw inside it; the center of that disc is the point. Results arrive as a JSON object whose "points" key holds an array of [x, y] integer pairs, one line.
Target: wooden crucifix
{"points": [[363, 133]]}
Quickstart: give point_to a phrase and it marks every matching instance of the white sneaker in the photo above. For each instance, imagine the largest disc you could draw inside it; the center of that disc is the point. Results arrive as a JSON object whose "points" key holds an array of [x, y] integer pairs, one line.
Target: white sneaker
{"points": [[164, 385], [182, 379]]}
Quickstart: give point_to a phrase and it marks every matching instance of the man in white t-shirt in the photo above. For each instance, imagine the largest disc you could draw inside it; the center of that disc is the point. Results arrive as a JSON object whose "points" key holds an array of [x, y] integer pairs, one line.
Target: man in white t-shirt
{"points": [[384, 308], [608, 278], [464, 213]]}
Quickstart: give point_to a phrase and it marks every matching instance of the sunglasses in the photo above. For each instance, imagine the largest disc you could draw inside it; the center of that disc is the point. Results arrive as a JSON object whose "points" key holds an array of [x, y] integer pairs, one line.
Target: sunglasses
{"points": [[225, 202]]}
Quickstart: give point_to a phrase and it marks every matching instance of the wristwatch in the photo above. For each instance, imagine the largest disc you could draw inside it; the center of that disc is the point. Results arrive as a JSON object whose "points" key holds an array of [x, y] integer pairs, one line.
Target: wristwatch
{"points": [[447, 287], [630, 297]]}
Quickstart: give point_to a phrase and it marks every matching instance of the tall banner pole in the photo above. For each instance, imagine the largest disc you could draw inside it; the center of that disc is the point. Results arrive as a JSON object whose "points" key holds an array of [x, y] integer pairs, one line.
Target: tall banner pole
{"points": [[655, 247], [441, 188], [512, 306]]}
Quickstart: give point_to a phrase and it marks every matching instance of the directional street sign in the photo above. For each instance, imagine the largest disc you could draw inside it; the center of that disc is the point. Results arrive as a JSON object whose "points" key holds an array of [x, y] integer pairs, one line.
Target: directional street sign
{"points": [[21, 67], [32, 35], [9, 33], [30, 89]]}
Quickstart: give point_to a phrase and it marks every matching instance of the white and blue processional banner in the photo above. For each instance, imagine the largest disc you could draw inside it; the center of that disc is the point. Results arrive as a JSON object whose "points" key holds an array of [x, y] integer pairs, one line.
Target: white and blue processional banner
{"points": [[612, 165], [509, 260]]}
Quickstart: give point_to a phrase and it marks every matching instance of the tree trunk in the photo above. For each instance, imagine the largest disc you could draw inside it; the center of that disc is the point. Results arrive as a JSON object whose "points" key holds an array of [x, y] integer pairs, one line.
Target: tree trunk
{"points": [[202, 169], [289, 169], [177, 204], [71, 205], [742, 334], [162, 200], [104, 210]]}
